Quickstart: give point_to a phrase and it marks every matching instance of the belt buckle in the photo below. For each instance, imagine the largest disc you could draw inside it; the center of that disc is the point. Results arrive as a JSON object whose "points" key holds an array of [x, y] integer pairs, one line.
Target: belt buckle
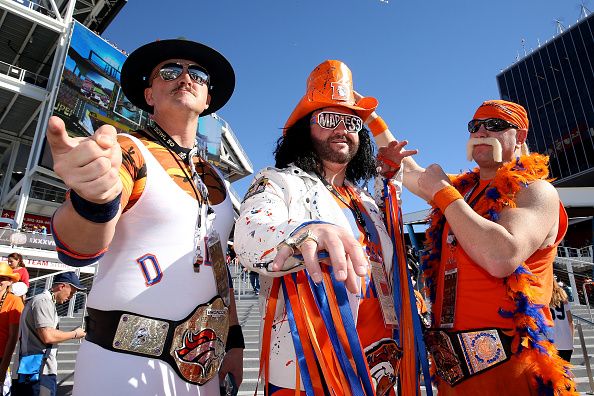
{"points": [[138, 334], [198, 344], [447, 362], [482, 349]]}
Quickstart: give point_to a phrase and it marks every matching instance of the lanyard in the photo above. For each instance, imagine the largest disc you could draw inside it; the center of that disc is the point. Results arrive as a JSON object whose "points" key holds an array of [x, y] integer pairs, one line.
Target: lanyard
{"points": [[198, 186], [354, 208], [478, 196], [3, 298], [450, 271], [164, 138], [185, 155]]}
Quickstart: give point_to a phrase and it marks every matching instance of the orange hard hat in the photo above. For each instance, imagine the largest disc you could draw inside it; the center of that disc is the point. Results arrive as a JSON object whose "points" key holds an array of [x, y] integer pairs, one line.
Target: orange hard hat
{"points": [[331, 84]]}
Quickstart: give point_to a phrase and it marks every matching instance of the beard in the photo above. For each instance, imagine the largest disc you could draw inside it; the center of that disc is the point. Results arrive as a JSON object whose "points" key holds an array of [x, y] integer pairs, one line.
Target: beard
{"points": [[326, 153], [497, 149]]}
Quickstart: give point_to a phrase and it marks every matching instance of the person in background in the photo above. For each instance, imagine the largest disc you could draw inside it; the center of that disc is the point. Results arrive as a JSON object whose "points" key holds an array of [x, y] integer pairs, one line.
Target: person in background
{"points": [[563, 328], [255, 282], [39, 333], [567, 290], [15, 260], [11, 307]]}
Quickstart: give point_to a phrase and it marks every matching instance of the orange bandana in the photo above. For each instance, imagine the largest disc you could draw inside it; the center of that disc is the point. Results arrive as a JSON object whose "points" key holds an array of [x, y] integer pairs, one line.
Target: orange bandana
{"points": [[508, 111]]}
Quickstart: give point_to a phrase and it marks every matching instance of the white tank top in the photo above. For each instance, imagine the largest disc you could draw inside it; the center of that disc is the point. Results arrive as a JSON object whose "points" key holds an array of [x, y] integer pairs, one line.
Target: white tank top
{"points": [[148, 268]]}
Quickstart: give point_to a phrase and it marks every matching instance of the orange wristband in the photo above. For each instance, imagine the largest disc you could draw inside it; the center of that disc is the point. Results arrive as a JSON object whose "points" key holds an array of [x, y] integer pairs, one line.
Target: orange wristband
{"points": [[377, 126], [444, 197]]}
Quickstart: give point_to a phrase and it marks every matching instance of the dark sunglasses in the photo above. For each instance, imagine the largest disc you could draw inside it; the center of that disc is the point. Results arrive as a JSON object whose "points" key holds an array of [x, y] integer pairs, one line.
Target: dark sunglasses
{"points": [[172, 71], [330, 120], [490, 124]]}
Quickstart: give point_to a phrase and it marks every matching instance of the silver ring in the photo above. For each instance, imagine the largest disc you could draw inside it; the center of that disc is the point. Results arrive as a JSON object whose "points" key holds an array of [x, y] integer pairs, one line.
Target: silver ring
{"points": [[307, 236], [280, 245]]}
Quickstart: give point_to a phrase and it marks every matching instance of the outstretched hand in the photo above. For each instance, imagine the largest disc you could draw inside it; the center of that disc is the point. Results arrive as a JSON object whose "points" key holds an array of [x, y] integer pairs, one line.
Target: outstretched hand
{"points": [[391, 156], [88, 165], [346, 255]]}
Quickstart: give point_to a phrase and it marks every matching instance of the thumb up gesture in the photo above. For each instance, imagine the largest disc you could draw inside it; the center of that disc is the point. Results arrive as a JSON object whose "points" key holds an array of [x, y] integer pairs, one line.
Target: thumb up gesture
{"points": [[88, 165]]}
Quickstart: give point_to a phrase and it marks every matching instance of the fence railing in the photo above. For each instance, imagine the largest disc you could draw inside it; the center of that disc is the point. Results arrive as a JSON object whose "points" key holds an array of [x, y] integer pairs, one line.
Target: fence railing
{"points": [[48, 194], [35, 6], [23, 75], [578, 325], [585, 252]]}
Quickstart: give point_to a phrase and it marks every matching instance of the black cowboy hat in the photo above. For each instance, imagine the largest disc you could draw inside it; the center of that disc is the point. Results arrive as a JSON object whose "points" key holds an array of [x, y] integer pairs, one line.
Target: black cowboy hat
{"points": [[140, 63]]}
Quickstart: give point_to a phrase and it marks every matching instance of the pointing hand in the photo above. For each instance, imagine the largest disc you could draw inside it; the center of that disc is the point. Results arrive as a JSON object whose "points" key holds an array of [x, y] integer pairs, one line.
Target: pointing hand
{"points": [[88, 165]]}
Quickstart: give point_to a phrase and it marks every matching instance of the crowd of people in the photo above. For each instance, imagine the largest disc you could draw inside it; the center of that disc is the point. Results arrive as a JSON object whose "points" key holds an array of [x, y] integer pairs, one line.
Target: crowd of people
{"points": [[335, 281]]}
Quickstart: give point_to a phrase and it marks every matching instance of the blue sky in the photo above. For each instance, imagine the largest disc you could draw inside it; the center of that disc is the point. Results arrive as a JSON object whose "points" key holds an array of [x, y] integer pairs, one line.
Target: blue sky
{"points": [[430, 64]]}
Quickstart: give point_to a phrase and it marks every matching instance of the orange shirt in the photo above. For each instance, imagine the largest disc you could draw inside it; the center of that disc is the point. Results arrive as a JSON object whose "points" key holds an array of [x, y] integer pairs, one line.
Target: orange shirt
{"points": [[9, 314], [480, 296]]}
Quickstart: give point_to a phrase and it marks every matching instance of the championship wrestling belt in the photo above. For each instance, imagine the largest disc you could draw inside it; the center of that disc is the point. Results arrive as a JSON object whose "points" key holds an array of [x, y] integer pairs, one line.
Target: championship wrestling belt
{"points": [[194, 346], [383, 359], [460, 355]]}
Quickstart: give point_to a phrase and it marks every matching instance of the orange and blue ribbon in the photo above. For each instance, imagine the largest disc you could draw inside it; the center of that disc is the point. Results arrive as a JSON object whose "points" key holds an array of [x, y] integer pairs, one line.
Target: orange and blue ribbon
{"points": [[329, 354], [409, 335]]}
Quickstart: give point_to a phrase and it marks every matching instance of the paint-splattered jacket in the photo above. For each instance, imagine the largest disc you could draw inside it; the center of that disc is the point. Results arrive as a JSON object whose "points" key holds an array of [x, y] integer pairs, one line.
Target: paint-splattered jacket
{"points": [[277, 203]]}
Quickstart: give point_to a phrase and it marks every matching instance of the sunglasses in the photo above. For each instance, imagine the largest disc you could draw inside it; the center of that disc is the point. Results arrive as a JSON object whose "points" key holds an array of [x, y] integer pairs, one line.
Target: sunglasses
{"points": [[172, 71], [330, 120], [490, 124]]}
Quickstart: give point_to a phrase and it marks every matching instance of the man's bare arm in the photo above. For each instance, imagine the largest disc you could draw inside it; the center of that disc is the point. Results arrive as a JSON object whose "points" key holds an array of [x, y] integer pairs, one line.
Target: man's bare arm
{"points": [[501, 247], [90, 167], [411, 171], [49, 335]]}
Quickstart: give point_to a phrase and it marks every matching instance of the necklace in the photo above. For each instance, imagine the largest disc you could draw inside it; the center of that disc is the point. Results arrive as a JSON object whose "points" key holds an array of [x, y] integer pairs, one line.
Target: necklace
{"points": [[359, 218]]}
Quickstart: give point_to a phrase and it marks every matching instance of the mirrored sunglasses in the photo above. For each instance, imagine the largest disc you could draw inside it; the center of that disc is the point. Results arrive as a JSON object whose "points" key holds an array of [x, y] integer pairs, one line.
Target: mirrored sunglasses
{"points": [[330, 120], [172, 71], [490, 124]]}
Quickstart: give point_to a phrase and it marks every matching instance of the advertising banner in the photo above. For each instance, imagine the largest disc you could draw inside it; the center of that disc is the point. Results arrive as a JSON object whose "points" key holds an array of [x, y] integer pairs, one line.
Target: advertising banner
{"points": [[89, 95], [31, 222], [210, 130]]}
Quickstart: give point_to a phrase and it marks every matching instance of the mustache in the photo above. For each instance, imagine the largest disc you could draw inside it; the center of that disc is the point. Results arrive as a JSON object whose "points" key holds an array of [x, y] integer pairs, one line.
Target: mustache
{"points": [[181, 88], [497, 149]]}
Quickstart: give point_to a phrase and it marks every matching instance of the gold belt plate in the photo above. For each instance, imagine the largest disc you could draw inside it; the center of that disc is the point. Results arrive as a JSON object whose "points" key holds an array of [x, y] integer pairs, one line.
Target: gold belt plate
{"points": [[198, 345]]}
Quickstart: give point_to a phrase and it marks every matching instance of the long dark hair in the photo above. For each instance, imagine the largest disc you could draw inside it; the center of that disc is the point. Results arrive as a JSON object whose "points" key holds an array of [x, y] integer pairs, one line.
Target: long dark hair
{"points": [[19, 258], [296, 147]]}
